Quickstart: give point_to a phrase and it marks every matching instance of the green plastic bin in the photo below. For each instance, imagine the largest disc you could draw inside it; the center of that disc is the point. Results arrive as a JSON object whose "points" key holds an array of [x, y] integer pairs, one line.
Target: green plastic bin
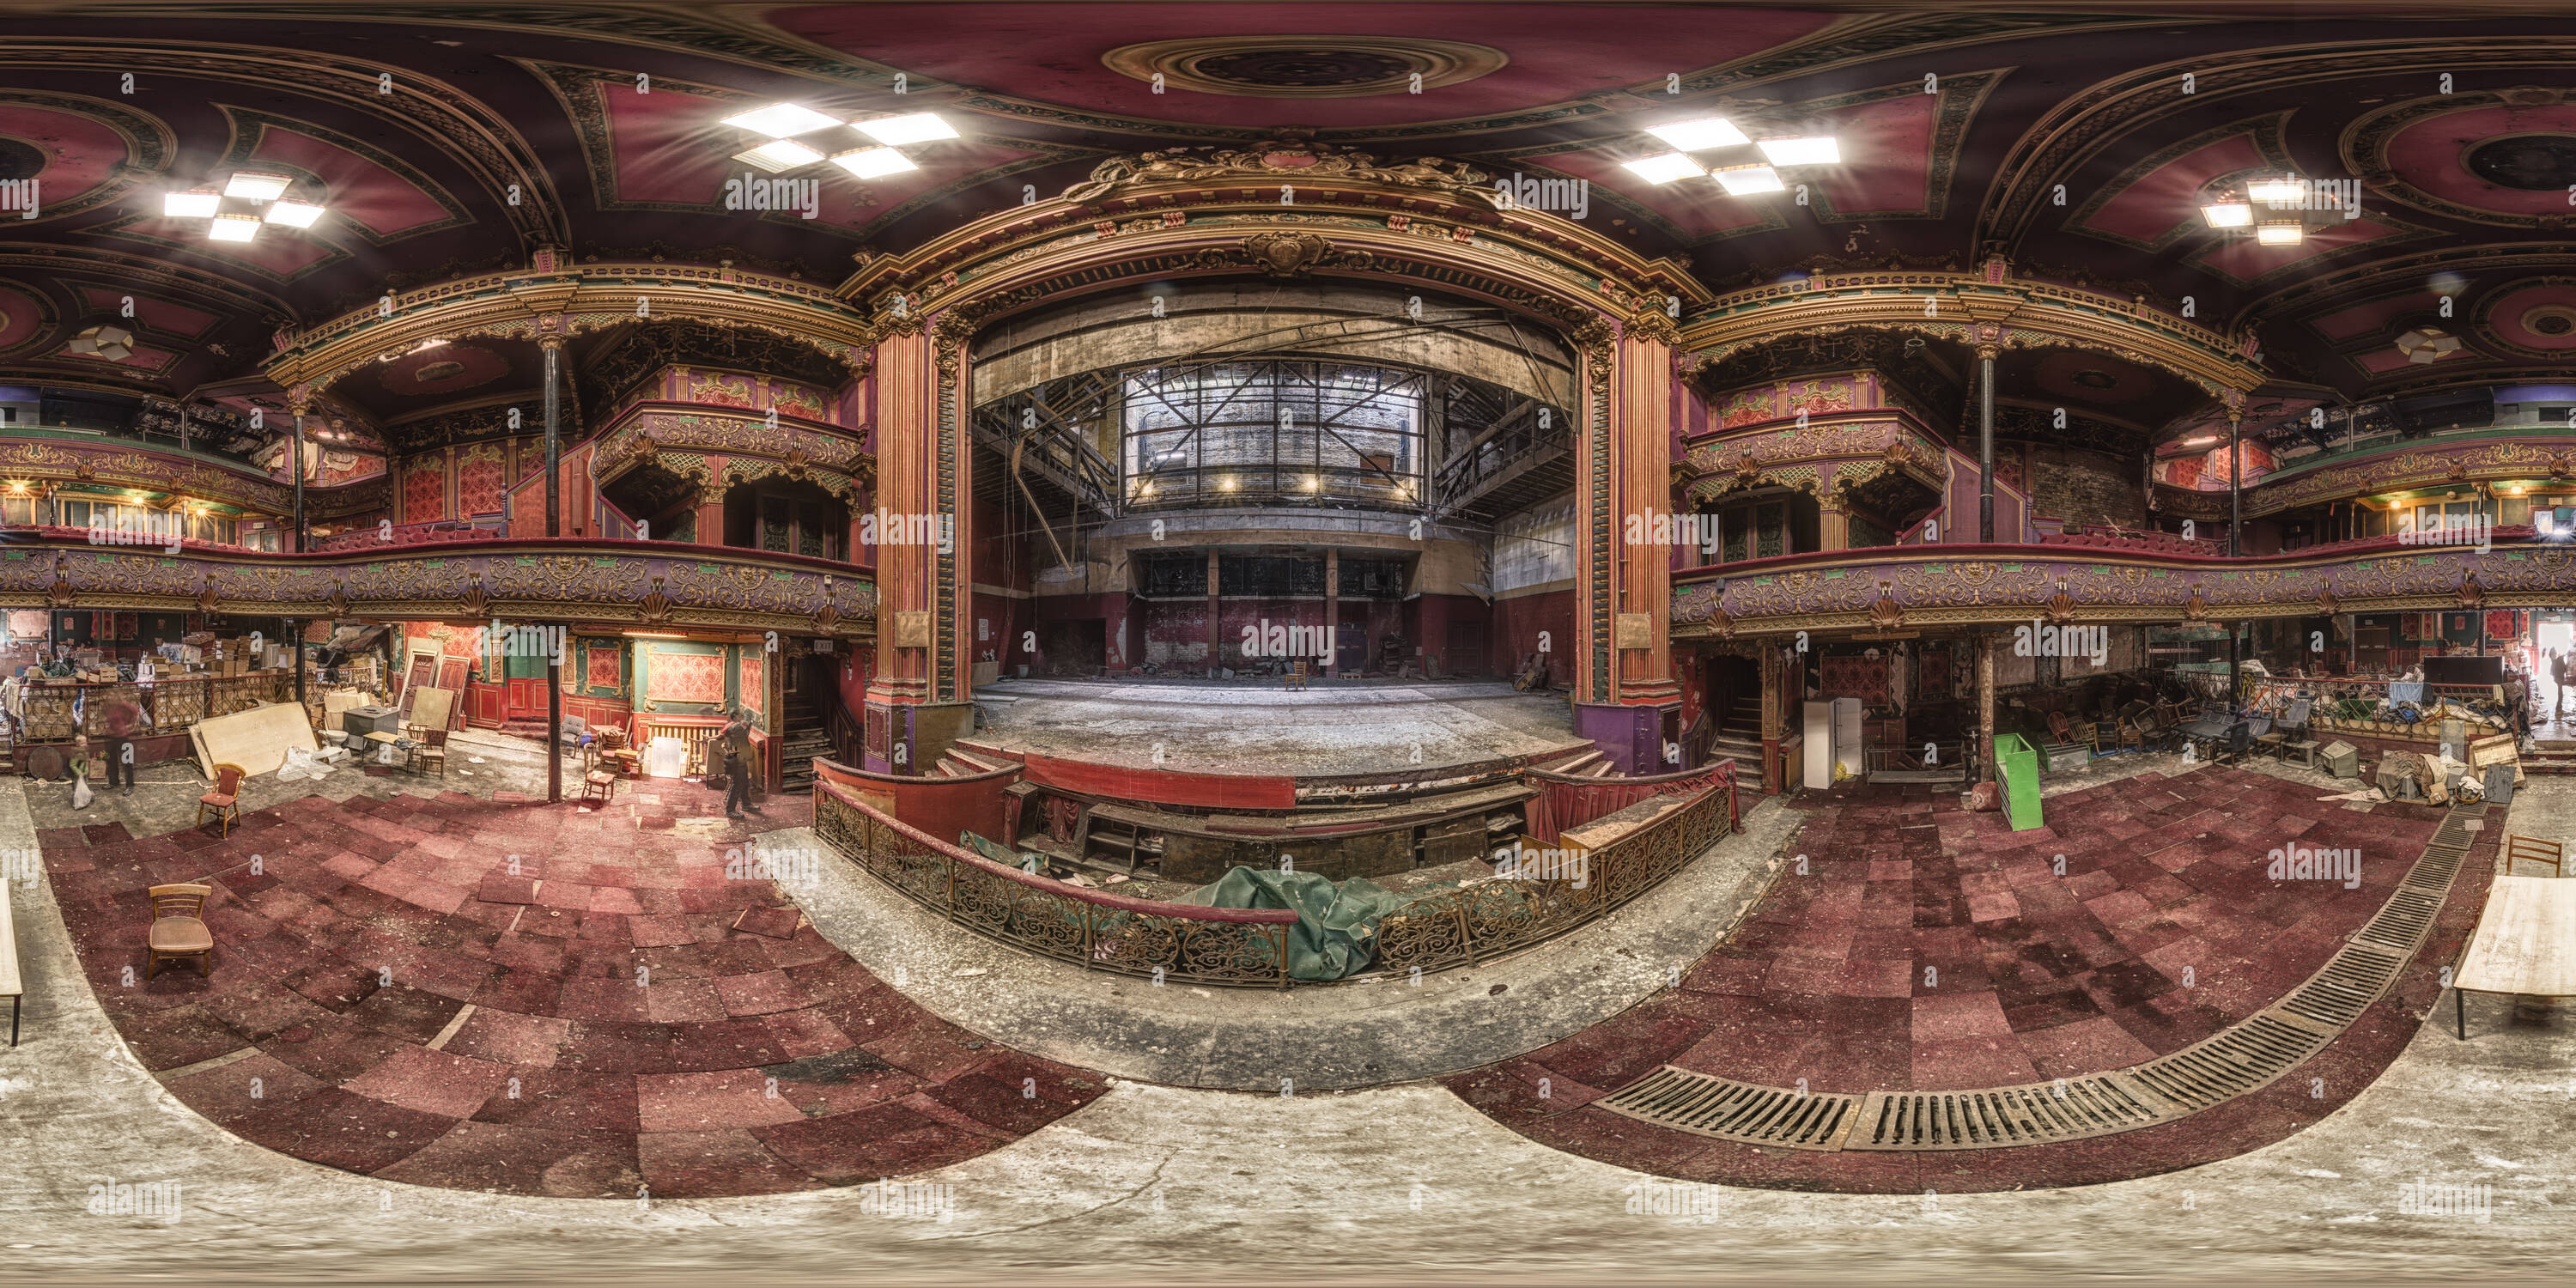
{"points": [[2017, 767]]}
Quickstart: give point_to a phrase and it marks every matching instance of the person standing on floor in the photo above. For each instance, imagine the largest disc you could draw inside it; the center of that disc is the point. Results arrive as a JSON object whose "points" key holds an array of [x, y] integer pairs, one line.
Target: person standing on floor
{"points": [[2557, 681], [736, 741]]}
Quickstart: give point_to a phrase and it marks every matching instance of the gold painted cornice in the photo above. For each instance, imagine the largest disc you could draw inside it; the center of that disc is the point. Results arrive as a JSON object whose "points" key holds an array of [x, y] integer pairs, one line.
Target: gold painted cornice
{"points": [[542, 304], [1400, 225], [1989, 308]]}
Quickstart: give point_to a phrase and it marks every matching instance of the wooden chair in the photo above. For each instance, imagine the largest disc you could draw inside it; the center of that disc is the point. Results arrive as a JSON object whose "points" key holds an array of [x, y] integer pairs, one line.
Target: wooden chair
{"points": [[429, 747], [598, 787], [225, 800], [179, 928], [2063, 730], [2536, 851], [1297, 674]]}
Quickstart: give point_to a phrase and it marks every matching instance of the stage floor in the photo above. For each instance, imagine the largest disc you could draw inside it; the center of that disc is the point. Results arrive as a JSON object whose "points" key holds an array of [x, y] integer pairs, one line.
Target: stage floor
{"points": [[1256, 727]]}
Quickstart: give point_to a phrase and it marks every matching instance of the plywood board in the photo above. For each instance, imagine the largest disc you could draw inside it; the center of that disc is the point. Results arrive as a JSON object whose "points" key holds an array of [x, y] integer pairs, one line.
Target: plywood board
{"points": [[2525, 941], [433, 706], [256, 740]]}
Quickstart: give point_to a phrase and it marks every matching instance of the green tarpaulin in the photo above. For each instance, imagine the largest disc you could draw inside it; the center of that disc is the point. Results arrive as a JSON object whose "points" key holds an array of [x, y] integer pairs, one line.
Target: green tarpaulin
{"points": [[1336, 925]]}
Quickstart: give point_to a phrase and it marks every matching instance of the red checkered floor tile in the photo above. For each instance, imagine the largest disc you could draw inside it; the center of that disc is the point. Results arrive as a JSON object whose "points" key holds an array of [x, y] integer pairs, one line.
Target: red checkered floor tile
{"points": [[1930, 948], [534, 999]]}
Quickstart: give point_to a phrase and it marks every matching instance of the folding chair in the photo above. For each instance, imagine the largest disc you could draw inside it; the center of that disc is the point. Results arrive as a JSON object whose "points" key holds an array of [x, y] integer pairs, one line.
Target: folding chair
{"points": [[2536, 851]]}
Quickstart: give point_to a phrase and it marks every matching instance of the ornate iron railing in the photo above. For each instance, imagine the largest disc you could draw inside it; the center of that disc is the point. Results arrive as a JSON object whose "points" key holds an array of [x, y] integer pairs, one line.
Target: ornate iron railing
{"points": [[1162, 941], [1437, 931], [1471, 924], [172, 704]]}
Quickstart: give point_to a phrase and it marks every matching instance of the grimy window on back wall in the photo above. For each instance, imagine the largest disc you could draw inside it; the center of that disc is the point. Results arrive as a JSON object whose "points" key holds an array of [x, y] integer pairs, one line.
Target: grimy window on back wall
{"points": [[1273, 433]]}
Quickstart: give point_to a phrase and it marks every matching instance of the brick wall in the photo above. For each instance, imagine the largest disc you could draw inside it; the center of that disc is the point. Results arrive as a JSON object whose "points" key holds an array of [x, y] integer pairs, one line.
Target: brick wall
{"points": [[2086, 487]]}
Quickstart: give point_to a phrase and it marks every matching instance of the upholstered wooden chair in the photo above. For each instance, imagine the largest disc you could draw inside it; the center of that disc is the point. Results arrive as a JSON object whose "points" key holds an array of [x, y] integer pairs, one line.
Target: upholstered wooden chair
{"points": [[598, 787], [179, 928], [225, 799]]}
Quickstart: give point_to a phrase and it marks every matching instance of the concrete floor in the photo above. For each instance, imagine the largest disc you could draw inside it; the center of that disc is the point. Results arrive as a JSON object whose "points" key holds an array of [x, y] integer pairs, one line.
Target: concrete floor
{"points": [[1397, 1183], [1256, 727]]}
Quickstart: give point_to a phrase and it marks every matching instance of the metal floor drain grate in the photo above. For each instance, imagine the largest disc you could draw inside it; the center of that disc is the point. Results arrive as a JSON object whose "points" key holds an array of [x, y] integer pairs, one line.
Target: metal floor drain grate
{"points": [[2068, 1109], [2241, 1058], [2244, 1057], [1706, 1105]]}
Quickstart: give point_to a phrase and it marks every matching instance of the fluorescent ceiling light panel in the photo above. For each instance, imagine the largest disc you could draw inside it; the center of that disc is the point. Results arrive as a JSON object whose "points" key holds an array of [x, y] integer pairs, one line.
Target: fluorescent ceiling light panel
{"points": [[1665, 168], [294, 214], [2285, 189], [920, 127], [191, 205], [868, 163], [2227, 214], [1748, 180], [780, 154], [1811, 151], [257, 187], [2279, 233], [1695, 136], [238, 228], [781, 120]]}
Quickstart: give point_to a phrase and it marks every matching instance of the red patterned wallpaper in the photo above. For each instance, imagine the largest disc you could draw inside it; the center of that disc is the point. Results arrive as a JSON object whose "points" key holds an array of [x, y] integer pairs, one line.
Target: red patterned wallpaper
{"points": [[425, 490], [478, 481], [601, 665], [751, 685], [685, 677]]}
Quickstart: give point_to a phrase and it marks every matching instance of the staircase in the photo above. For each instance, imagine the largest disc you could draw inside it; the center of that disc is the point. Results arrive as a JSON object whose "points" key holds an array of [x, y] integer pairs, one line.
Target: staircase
{"points": [[2551, 755], [805, 737], [1739, 733]]}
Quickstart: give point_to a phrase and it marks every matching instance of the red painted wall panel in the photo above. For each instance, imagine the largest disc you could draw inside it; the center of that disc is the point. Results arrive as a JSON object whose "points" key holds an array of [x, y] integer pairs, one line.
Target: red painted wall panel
{"points": [[1519, 620]]}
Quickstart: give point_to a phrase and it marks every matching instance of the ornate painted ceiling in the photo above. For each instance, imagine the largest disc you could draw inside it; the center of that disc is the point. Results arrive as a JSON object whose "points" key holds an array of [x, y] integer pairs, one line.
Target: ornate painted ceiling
{"points": [[451, 138]]}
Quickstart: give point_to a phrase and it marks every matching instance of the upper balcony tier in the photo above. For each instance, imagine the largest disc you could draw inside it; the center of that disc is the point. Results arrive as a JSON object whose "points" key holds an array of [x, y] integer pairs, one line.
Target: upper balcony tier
{"points": [[587, 583], [1897, 591]]}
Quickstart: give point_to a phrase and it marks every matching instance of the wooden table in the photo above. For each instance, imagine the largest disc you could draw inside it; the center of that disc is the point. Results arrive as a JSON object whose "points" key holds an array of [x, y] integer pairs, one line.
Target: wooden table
{"points": [[2525, 944], [12, 986]]}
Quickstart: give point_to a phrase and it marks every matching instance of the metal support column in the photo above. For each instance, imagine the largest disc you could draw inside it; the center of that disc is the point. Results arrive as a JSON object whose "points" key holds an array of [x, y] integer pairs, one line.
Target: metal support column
{"points": [[297, 467], [1985, 445], [554, 681], [554, 451], [2235, 525]]}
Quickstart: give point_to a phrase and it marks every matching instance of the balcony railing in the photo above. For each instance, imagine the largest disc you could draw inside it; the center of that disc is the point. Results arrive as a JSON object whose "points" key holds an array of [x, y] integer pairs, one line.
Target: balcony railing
{"points": [[444, 576]]}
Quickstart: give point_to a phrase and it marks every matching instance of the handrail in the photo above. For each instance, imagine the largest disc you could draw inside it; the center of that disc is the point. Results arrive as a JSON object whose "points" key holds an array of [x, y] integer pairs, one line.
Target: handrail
{"points": [[1102, 931], [848, 734]]}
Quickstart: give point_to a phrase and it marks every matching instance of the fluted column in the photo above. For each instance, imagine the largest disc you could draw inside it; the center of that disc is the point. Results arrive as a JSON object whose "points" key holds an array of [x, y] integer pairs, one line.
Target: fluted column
{"points": [[920, 699], [1624, 691]]}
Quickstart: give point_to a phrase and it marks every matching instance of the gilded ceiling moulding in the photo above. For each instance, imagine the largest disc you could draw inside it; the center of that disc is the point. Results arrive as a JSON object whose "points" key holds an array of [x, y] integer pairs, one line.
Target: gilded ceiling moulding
{"points": [[1314, 207], [555, 300], [1985, 309]]}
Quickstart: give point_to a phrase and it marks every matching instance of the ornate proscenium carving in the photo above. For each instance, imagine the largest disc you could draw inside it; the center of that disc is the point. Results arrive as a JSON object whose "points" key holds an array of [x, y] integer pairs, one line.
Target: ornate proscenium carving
{"points": [[2195, 608], [474, 600], [829, 615], [2471, 594], [208, 602], [338, 602], [1654, 325], [60, 593], [2061, 606], [1285, 160], [796, 463], [1285, 254], [656, 608], [2327, 604], [1886, 614]]}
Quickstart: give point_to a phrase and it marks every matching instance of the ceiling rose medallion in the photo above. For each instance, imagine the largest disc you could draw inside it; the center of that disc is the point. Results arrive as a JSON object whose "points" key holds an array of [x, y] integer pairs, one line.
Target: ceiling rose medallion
{"points": [[1303, 66]]}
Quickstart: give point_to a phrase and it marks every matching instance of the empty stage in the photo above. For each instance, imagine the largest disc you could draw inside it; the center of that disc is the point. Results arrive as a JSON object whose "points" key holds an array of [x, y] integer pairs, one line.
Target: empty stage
{"points": [[1257, 727]]}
